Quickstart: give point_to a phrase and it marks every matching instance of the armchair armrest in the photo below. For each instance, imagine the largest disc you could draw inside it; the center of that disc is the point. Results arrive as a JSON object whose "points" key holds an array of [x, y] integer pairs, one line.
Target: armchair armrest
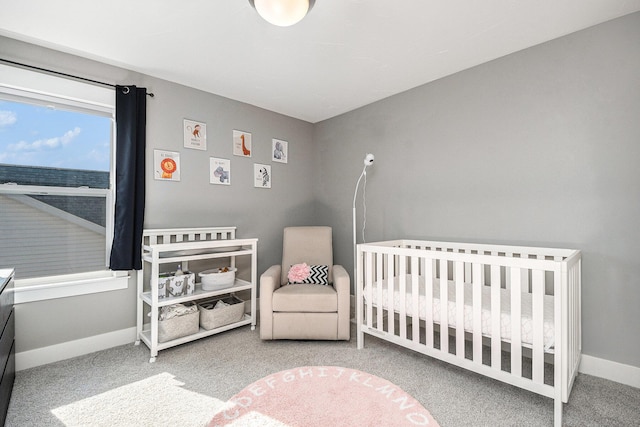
{"points": [[269, 282], [341, 280], [342, 285]]}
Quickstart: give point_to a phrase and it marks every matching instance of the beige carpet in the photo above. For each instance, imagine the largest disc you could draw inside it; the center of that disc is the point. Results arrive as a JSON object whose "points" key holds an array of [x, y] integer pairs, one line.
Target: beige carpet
{"points": [[188, 384], [159, 400]]}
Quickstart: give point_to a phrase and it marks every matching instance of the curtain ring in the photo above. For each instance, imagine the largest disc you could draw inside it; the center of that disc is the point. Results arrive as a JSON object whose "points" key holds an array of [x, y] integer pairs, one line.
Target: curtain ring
{"points": [[125, 90]]}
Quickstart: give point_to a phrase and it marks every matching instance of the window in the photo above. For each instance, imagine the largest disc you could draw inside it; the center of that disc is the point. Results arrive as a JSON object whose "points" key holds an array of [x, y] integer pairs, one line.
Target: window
{"points": [[56, 192]]}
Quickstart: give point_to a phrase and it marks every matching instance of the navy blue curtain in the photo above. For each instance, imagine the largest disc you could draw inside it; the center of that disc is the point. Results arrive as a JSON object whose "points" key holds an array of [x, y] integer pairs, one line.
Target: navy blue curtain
{"points": [[131, 118]]}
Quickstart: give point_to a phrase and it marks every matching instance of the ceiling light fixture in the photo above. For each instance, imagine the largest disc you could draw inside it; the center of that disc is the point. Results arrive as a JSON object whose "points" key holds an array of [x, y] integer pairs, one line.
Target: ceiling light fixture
{"points": [[282, 13]]}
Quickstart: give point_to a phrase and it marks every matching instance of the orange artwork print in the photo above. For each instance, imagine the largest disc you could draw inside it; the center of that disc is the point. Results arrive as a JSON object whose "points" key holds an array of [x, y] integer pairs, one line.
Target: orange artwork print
{"points": [[168, 167], [241, 143], [245, 151]]}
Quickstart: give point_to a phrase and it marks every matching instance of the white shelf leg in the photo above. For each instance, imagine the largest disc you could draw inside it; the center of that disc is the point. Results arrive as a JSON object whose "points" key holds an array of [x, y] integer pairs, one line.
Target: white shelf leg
{"points": [[154, 308], [140, 306], [254, 281]]}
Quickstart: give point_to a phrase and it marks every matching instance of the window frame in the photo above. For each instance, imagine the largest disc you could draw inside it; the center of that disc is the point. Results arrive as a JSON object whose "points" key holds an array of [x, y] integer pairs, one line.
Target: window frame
{"points": [[36, 88]]}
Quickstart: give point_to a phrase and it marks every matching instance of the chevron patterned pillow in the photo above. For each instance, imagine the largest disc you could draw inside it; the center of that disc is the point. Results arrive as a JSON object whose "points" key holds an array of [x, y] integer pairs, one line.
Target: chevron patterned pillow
{"points": [[317, 274]]}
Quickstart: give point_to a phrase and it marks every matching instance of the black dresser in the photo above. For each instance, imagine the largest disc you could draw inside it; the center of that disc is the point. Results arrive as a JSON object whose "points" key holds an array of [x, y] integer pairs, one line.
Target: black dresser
{"points": [[7, 341]]}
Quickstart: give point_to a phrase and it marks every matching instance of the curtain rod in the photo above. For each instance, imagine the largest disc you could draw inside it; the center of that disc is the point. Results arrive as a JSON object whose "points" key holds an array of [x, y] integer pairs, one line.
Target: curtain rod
{"points": [[33, 67]]}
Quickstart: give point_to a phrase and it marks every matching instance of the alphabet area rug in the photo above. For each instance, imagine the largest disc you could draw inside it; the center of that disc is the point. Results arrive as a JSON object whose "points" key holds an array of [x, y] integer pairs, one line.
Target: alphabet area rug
{"points": [[322, 396]]}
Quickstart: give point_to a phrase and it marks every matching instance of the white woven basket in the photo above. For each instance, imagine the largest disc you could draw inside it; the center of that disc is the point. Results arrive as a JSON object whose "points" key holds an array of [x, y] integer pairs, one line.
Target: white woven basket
{"points": [[211, 318], [215, 279]]}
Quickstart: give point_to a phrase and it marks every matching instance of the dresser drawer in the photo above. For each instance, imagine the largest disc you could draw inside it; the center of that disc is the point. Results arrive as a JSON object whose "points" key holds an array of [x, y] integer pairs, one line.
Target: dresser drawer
{"points": [[6, 385], [6, 341], [6, 303]]}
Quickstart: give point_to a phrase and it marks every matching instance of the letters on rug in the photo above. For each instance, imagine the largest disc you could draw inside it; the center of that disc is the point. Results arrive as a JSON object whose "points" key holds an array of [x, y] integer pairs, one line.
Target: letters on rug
{"points": [[322, 396]]}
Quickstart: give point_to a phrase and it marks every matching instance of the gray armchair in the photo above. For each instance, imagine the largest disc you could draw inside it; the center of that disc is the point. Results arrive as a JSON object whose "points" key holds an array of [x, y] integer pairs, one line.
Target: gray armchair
{"points": [[305, 311]]}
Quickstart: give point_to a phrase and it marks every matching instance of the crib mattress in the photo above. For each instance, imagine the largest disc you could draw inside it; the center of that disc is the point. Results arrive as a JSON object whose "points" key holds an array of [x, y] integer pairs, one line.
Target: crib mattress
{"points": [[526, 321]]}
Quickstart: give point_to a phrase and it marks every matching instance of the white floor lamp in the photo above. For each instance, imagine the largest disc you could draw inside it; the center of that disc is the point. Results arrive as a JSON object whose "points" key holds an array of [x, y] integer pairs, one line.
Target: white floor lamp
{"points": [[368, 161]]}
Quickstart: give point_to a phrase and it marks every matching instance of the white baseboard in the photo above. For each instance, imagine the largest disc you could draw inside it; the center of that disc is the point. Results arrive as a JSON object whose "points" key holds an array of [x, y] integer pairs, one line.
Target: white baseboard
{"points": [[66, 350], [614, 371]]}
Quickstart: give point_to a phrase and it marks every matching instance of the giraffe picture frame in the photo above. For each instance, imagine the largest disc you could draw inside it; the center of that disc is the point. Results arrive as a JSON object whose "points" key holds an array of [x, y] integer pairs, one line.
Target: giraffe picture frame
{"points": [[241, 143]]}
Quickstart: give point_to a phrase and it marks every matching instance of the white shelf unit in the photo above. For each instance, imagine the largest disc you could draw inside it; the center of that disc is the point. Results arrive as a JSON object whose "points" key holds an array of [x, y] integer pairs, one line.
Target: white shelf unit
{"points": [[181, 245]]}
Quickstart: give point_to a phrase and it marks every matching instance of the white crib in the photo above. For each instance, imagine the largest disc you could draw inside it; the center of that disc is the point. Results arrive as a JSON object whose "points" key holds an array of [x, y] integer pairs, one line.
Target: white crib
{"points": [[401, 286]]}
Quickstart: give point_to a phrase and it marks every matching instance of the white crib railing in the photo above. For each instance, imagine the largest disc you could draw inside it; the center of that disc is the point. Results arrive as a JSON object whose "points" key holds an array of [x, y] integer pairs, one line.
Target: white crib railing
{"points": [[506, 275]]}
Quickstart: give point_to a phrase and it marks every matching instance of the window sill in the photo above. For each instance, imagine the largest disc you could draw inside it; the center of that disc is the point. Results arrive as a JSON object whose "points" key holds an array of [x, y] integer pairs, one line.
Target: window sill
{"points": [[45, 288]]}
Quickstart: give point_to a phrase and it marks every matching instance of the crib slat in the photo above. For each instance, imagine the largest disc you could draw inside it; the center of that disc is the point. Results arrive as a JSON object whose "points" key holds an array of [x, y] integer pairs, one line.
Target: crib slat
{"points": [[428, 283], [568, 309], [496, 346], [391, 326], [402, 310], [507, 279], [524, 280], [516, 323], [537, 279], [560, 295], [477, 312], [467, 271], [380, 283], [574, 325], [415, 303], [368, 274], [572, 311], [444, 306], [459, 267], [576, 328]]}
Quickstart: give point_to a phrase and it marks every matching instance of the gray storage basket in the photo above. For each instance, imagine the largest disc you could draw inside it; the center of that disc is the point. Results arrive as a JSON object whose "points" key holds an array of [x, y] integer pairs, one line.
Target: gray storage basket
{"points": [[211, 318], [178, 327]]}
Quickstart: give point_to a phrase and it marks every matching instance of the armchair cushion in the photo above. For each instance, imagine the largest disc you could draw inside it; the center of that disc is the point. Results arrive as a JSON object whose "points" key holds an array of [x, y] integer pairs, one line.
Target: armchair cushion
{"points": [[300, 298]]}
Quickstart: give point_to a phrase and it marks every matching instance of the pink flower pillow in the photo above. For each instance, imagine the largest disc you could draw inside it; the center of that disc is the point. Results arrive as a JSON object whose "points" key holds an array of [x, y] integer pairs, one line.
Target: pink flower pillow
{"points": [[313, 274], [298, 273]]}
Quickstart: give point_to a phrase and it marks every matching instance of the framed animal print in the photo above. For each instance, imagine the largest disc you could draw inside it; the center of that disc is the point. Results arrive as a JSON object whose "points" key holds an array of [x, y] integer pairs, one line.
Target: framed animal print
{"points": [[241, 143], [195, 135], [261, 176], [219, 171]]}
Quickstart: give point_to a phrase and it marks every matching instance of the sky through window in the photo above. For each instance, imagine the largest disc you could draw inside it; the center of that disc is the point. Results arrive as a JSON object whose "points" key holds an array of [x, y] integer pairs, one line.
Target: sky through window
{"points": [[35, 135]]}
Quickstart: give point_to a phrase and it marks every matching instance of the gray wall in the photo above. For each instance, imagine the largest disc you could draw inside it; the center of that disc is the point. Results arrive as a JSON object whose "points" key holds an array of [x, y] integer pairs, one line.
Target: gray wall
{"points": [[192, 202], [540, 147]]}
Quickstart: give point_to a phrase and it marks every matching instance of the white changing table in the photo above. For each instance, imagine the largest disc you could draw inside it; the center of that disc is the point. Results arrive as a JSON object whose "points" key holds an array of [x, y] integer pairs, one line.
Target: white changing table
{"points": [[181, 245]]}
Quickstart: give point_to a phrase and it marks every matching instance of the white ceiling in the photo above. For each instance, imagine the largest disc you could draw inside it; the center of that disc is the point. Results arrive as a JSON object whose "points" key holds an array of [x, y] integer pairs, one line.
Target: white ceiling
{"points": [[343, 55]]}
